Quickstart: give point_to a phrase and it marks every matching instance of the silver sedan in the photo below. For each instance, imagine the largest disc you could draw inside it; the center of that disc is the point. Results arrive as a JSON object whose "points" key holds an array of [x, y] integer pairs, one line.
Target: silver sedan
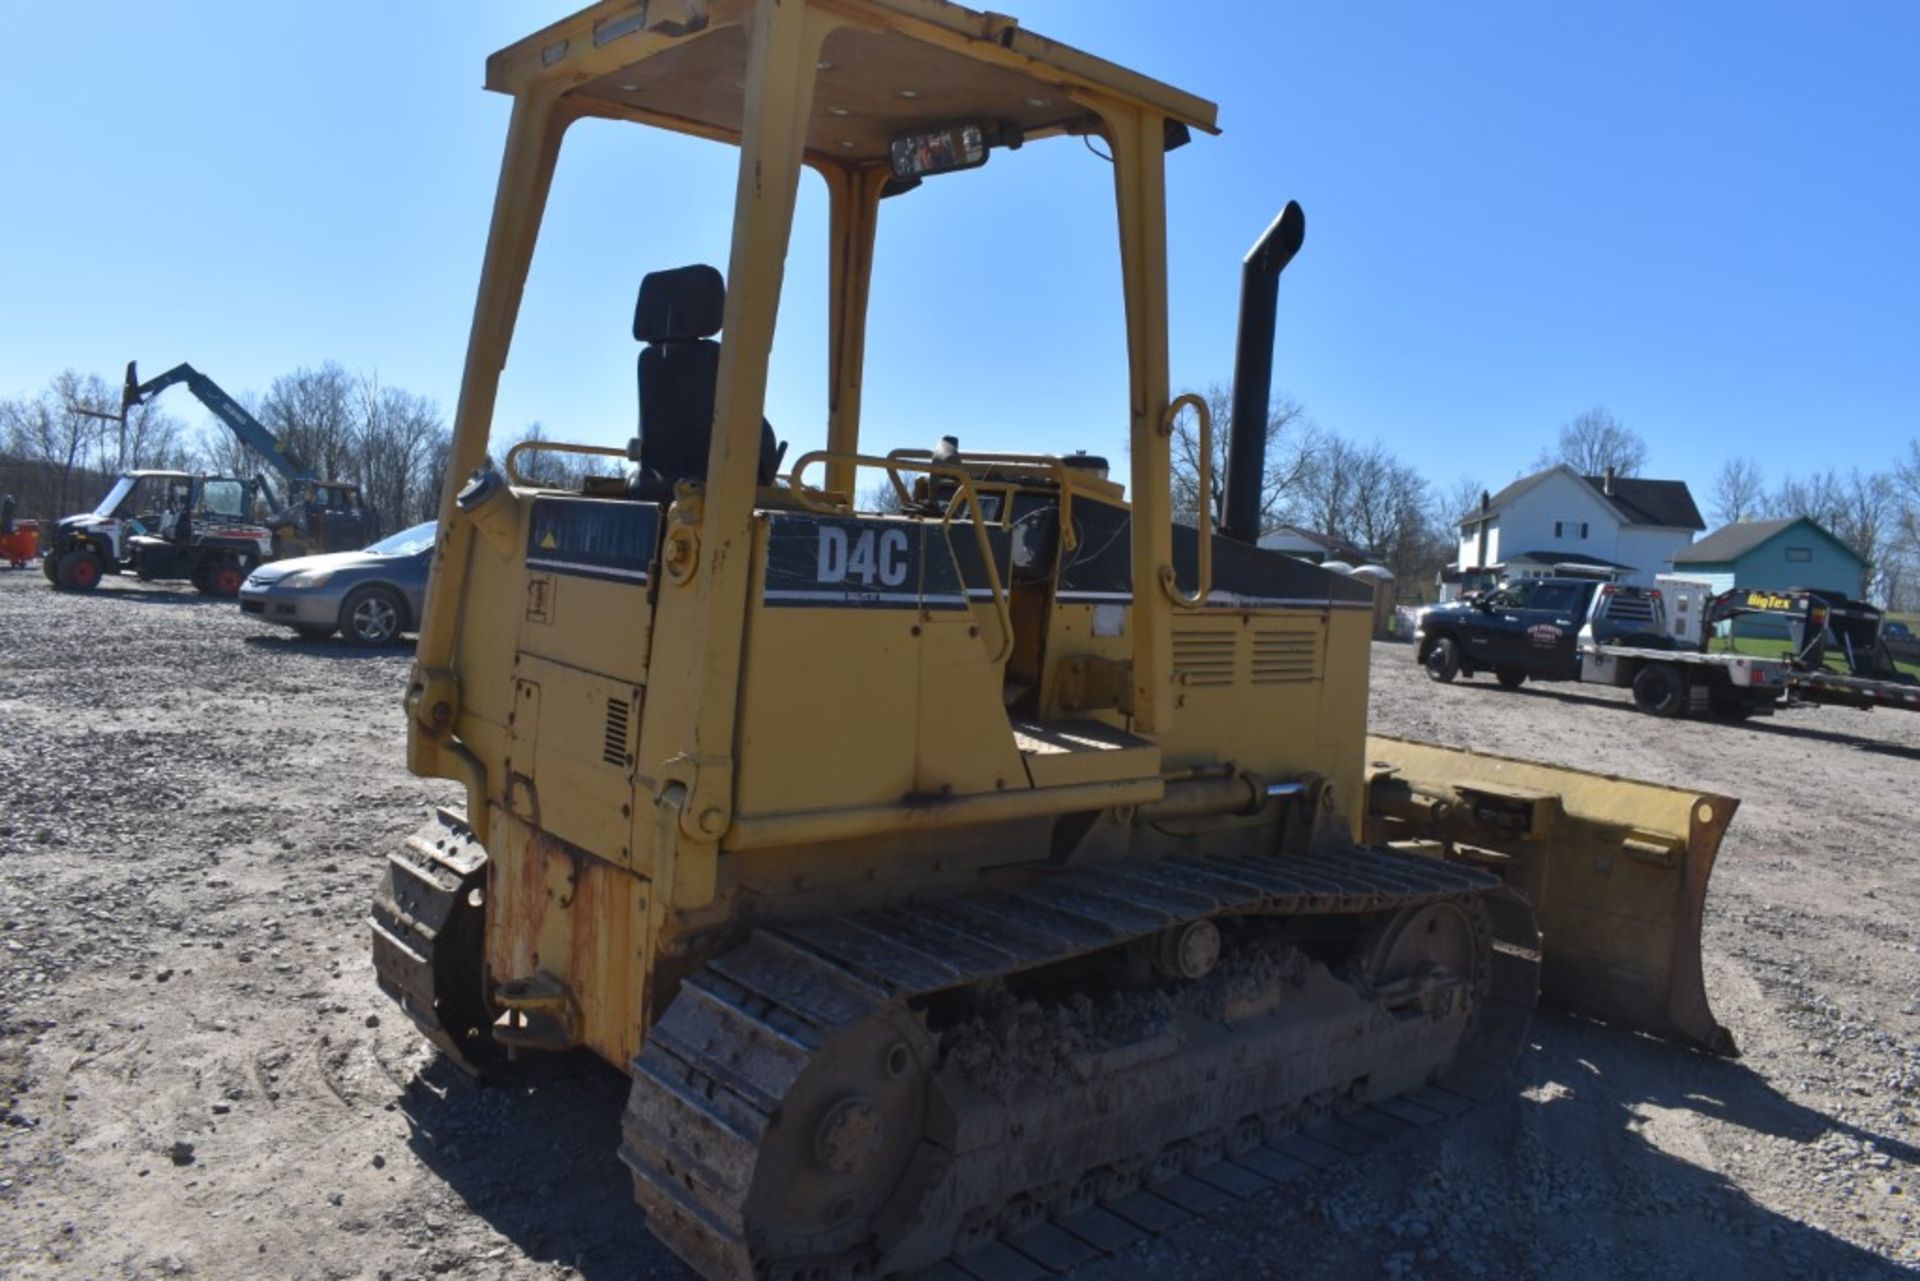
{"points": [[369, 596]]}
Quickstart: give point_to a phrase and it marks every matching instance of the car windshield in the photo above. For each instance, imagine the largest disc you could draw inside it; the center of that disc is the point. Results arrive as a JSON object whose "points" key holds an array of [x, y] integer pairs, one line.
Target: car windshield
{"points": [[407, 542], [121, 488]]}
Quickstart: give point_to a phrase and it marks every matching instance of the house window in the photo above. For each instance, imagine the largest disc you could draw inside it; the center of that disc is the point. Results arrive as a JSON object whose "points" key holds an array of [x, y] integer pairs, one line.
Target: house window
{"points": [[1566, 528], [1583, 529], [1799, 555]]}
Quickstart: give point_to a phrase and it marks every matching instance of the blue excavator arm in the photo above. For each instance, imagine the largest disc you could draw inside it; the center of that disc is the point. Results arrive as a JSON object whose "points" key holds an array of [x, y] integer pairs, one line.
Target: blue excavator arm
{"points": [[252, 433]]}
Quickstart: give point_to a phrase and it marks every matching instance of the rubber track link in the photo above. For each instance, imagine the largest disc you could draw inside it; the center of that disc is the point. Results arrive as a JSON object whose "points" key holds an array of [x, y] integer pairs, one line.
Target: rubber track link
{"points": [[717, 1065], [427, 935]]}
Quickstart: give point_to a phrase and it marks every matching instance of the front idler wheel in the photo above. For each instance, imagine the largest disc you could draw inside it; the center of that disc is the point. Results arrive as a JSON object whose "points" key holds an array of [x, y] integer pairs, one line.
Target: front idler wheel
{"points": [[843, 1165]]}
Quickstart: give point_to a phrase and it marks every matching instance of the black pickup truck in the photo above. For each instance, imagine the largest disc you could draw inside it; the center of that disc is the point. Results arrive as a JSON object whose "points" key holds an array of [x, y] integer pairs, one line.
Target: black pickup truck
{"points": [[1531, 627]]}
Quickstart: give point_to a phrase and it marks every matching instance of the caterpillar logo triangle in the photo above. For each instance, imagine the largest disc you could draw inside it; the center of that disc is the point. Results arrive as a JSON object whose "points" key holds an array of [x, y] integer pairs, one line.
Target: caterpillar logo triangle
{"points": [[548, 542]]}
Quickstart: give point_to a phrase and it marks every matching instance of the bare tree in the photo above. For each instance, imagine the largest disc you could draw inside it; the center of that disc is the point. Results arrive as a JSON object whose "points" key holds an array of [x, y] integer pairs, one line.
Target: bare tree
{"points": [[312, 411], [60, 432], [881, 496], [397, 437], [1288, 443], [1389, 516], [425, 499], [1906, 494], [1595, 441], [1447, 509], [1456, 502], [1739, 491], [154, 439]]}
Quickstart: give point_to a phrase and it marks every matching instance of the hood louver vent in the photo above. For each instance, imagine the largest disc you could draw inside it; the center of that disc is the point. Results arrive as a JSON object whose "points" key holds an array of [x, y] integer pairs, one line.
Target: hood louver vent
{"points": [[614, 752], [1204, 659], [1281, 658]]}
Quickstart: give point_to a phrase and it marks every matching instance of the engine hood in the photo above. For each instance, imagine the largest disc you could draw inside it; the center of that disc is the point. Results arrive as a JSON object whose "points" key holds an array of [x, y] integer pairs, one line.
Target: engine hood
{"points": [[274, 571]]}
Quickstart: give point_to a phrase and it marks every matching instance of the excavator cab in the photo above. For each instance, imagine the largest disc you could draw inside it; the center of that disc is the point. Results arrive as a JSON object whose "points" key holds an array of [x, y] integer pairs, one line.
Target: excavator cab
{"points": [[944, 871]]}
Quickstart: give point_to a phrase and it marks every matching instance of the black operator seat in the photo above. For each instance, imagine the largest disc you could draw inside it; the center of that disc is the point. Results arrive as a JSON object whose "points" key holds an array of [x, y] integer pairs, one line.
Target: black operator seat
{"points": [[677, 315]]}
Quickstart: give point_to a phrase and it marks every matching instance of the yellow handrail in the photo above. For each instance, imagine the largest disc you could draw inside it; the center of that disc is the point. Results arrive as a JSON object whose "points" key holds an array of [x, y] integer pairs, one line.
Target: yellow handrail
{"points": [[558, 447], [1169, 578], [1002, 617], [1063, 476]]}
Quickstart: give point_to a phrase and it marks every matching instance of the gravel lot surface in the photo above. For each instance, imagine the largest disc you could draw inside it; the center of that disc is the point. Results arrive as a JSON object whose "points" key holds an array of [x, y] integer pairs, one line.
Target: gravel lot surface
{"points": [[198, 1077]]}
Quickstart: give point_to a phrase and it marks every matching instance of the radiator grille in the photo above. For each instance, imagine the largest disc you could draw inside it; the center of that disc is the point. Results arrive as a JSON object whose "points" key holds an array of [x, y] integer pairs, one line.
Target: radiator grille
{"points": [[1281, 658], [614, 752], [1204, 659]]}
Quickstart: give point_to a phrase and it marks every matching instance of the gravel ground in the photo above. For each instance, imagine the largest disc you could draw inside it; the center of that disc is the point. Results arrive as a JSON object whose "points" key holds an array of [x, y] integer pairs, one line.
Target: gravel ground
{"points": [[198, 1077]]}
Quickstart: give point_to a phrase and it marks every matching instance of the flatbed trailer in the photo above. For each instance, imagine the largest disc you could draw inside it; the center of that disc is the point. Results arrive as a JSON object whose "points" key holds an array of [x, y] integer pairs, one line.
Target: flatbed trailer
{"points": [[1852, 691], [1667, 682]]}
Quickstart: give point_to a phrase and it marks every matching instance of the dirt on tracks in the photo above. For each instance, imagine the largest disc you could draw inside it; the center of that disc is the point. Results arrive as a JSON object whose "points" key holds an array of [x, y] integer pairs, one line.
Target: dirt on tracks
{"points": [[198, 1077]]}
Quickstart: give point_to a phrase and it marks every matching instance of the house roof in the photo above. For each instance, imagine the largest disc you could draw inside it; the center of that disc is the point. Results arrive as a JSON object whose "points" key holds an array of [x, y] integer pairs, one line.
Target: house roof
{"points": [[1569, 558], [1665, 503], [1326, 542], [1731, 542]]}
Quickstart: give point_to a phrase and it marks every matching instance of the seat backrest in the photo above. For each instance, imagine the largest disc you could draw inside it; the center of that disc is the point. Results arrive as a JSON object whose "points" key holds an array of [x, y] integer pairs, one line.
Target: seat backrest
{"points": [[677, 314]]}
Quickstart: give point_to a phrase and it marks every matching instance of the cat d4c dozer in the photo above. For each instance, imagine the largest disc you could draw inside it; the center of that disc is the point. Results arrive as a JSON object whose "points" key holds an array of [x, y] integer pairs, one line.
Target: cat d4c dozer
{"points": [[997, 867]]}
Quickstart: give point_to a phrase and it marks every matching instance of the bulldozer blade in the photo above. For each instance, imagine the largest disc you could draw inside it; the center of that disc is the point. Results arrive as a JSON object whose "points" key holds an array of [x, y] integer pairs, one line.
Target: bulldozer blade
{"points": [[1615, 869]]}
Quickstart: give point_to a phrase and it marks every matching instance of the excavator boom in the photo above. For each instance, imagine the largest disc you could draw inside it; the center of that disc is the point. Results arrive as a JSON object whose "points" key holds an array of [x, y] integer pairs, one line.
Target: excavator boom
{"points": [[250, 431]]}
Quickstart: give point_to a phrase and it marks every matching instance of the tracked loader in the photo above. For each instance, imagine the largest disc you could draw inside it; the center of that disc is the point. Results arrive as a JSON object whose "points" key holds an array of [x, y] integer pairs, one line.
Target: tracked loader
{"points": [[952, 881]]}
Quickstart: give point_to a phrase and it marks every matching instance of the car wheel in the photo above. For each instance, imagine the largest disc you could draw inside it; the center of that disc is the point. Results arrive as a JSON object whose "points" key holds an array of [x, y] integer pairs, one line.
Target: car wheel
{"points": [[1443, 659], [372, 616], [1510, 677], [79, 571], [1659, 690], [310, 632]]}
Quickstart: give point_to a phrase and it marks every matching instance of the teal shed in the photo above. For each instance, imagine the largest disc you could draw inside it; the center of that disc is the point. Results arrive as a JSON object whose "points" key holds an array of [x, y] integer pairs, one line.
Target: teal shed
{"points": [[1796, 551]]}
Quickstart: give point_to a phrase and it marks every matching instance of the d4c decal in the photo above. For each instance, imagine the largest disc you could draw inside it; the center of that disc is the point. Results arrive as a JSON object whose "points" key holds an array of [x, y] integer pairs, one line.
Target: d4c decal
{"points": [[852, 562]]}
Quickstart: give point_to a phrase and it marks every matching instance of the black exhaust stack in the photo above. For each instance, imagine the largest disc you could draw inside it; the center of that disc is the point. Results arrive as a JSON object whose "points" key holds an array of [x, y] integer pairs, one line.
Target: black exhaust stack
{"points": [[1253, 369]]}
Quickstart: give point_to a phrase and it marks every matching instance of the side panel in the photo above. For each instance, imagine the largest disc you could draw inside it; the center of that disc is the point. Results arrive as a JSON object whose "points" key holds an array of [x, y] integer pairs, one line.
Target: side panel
{"points": [[586, 629], [867, 678], [1281, 693]]}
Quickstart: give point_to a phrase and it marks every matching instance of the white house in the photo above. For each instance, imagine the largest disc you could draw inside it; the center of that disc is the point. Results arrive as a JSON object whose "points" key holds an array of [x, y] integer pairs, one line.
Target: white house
{"points": [[1311, 544], [1558, 521]]}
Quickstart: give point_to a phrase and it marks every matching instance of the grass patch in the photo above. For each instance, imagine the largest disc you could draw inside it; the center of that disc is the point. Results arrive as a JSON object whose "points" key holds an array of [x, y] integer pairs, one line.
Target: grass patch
{"points": [[1754, 647]]}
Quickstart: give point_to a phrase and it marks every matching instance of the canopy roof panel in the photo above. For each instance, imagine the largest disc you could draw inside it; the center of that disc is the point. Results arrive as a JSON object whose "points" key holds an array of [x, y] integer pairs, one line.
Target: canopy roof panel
{"points": [[892, 67]]}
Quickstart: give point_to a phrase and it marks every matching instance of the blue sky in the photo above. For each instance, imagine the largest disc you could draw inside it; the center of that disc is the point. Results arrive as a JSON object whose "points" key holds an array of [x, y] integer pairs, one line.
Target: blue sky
{"points": [[1698, 215]]}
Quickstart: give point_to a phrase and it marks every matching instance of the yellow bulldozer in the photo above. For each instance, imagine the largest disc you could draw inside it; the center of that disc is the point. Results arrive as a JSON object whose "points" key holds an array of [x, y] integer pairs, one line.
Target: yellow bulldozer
{"points": [[987, 869]]}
